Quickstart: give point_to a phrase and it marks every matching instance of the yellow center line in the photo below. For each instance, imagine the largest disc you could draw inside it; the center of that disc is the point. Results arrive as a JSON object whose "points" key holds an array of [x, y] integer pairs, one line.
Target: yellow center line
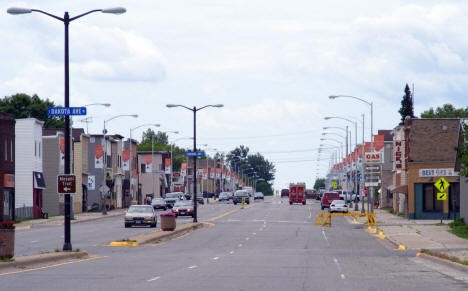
{"points": [[55, 265]]}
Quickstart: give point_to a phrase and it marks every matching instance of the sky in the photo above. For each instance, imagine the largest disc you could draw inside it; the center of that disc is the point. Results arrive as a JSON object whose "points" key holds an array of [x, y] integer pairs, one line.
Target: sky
{"points": [[272, 64]]}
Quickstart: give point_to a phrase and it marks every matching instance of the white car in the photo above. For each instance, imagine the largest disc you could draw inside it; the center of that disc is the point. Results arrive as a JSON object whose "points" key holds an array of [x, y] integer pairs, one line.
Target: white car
{"points": [[338, 206]]}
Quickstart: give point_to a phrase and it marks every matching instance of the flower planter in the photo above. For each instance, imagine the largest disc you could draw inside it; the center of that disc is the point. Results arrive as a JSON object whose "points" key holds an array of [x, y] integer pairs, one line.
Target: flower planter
{"points": [[7, 243], [168, 221]]}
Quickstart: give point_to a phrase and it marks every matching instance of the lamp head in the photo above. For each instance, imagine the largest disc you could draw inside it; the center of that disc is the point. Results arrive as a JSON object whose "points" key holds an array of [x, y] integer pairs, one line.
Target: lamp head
{"points": [[134, 115], [328, 117], [218, 105], [171, 105], [106, 104], [115, 10], [333, 96], [18, 10]]}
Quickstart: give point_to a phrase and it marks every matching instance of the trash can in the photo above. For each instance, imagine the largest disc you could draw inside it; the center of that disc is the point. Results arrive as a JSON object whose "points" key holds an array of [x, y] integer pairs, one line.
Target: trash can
{"points": [[168, 221]]}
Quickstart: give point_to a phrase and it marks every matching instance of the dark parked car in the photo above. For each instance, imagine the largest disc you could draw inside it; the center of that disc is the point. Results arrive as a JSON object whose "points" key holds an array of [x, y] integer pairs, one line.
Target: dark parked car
{"points": [[159, 203], [285, 192], [183, 208], [239, 195], [140, 215], [208, 195]]}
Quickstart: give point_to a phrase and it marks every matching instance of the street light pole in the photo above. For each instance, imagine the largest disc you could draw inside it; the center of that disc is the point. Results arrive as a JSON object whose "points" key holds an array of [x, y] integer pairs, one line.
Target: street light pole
{"points": [[67, 246], [104, 148], [194, 110]]}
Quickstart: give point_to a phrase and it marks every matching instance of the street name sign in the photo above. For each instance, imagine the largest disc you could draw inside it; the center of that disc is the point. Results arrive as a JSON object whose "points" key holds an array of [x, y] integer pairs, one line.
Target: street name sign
{"points": [[442, 184], [66, 184], [194, 154], [442, 196], [62, 111]]}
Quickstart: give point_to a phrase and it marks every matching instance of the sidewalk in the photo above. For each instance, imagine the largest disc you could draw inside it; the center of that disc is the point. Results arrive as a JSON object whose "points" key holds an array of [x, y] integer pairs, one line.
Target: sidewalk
{"points": [[80, 217], [420, 234]]}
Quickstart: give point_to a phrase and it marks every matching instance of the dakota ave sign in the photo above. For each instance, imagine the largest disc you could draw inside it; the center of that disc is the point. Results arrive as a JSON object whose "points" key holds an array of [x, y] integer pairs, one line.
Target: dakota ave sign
{"points": [[66, 184], [372, 158]]}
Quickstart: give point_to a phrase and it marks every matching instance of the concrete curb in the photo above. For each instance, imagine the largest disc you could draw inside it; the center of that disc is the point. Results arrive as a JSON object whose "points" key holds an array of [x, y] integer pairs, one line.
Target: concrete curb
{"points": [[445, 262], [147, 238], [43, 258]]}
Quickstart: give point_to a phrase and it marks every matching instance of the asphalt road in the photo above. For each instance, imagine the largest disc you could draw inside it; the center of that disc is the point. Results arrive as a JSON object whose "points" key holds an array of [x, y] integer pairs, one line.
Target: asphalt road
{"points": [[271, 246], [87, 235]]}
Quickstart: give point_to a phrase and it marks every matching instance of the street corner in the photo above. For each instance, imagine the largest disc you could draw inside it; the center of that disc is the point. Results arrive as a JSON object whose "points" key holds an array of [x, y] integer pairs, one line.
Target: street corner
{"points": [[25, 227]]}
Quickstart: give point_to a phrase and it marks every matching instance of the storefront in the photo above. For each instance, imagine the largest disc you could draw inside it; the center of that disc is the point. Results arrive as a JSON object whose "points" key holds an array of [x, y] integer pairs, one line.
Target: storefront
{"points": [[8, 192], [424, 202]]}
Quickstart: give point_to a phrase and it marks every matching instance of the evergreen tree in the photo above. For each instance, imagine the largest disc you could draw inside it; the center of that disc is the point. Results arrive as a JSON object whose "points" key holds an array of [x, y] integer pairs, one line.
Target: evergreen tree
{"points": [[406, 105]]}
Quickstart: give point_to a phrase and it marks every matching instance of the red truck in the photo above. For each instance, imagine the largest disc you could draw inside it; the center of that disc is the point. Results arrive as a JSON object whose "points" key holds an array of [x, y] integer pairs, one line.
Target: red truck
{"points": [[297, 193]]}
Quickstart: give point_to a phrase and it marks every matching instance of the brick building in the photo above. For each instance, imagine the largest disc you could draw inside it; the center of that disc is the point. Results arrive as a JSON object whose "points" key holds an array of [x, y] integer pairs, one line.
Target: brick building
{"points": [[7, 166]]}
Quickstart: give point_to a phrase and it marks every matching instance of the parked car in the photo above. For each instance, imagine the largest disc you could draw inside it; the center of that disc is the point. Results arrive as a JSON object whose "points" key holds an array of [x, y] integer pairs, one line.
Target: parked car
{"points": [[140, 215], [238, 195], [258, 195], [327, 198], [183, 208], [338, 206], [224, 196], [159, 203], [285, 192], [208, 195], [172, 197]]}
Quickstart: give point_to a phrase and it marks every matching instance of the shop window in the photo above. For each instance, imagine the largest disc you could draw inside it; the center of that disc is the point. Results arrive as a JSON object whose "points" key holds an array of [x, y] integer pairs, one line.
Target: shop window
{"points": [[6, 150], [143, 168], [454, 197], [430, 202]]}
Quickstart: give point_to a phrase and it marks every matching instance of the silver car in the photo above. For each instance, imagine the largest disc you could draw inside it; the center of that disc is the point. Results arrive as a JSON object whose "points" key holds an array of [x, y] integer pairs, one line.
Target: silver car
{"points": [[140, 215]]}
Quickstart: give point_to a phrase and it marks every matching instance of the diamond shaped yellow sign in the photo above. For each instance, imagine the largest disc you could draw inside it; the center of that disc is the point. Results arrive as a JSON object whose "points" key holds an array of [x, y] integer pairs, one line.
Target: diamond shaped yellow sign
{"points": [[442, 184], [334, 185]]}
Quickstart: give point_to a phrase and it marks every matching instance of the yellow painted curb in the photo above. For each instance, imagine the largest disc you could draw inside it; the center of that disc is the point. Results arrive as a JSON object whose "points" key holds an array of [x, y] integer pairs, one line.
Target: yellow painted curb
{"points": [[381, 235], [23, 227], [418, 254], [402, 247], [123, 244], [372, 229]]}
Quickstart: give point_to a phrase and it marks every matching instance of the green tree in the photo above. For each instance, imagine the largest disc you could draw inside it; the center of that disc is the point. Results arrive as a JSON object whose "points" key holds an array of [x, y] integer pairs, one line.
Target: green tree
{"points": [[463, 153], [406, 105], [24, 106], [319, 183], [446, 111], [265, 188], [160, 137]]}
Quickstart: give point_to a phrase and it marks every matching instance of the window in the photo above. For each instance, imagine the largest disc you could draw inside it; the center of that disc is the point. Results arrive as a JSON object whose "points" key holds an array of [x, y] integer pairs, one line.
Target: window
{"points": [[143, 168], [35, 148], [39, 143], [11, 151], [430, 202], [6, 150]]}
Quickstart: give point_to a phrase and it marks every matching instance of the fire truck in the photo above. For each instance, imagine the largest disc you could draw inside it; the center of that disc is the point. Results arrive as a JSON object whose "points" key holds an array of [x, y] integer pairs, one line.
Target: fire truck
{"points": [[297, 193]]}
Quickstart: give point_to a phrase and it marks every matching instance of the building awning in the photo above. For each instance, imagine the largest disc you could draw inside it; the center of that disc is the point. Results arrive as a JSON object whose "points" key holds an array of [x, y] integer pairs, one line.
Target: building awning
{"points": [[39, 181], [399, 189]]}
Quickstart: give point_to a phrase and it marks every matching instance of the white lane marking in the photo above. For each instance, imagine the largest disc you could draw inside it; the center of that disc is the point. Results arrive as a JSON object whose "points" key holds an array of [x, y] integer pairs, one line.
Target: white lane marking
{"points": [[234, 220], [192, 267], [216, 258], [240, 245], [259, 220], [342, 276], [34, 241], [310, 213], [231, 252], [247, 238], [325, 236], [337, 264], [154, 279], [254, 233]]}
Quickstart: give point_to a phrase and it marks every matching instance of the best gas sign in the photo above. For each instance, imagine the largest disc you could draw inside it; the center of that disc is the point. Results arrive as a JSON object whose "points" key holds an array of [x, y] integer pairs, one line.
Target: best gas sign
{"points": [[372, 157]]}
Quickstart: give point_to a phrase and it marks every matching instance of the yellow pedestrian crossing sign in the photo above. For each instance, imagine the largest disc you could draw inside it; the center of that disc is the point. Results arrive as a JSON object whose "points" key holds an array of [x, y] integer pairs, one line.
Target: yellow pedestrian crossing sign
{"points": [[442, 184], [442, 196], [334, 185]]}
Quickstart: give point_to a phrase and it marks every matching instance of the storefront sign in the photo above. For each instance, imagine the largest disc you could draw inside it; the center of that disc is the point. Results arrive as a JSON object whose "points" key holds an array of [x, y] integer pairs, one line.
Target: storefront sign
{"points": [[372, 157], [437, 172], [398, 150]]}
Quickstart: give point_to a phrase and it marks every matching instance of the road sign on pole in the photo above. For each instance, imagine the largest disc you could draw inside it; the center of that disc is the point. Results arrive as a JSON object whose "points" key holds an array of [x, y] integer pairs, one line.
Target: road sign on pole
{"points": [[194, 154], [442, 184], [442, 196], [63, 111], [66, 184]]}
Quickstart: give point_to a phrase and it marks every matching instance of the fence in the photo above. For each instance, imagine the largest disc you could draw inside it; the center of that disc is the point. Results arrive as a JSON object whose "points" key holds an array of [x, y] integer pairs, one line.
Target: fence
{"points": [[24, 212]]}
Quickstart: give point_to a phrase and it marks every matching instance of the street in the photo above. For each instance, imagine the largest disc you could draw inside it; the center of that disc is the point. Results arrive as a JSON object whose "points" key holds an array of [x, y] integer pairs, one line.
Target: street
{"points": [[270, 246]]}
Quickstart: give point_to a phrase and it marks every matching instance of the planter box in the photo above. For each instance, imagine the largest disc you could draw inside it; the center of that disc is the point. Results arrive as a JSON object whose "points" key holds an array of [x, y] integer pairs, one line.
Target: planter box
{"points": [[7, 243], [168, 222]]}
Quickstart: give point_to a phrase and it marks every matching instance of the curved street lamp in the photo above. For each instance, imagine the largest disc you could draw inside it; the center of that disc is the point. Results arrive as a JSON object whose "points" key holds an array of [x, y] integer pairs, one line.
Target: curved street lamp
{"points": [[194, 110], [67, 246]]}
